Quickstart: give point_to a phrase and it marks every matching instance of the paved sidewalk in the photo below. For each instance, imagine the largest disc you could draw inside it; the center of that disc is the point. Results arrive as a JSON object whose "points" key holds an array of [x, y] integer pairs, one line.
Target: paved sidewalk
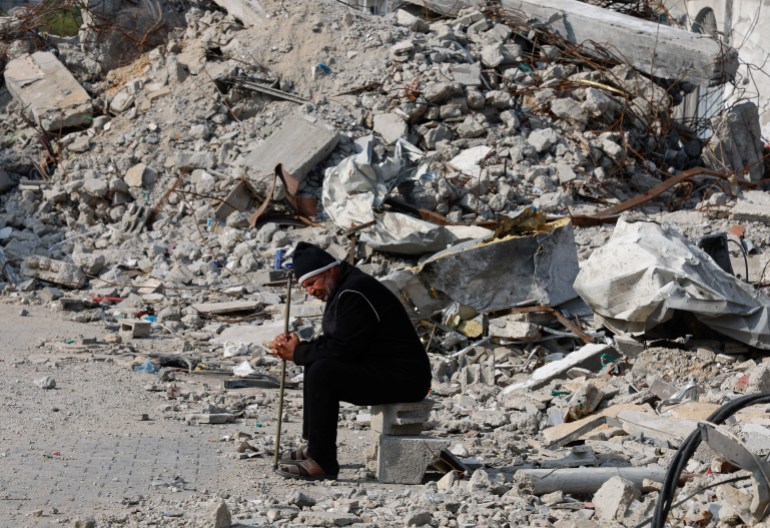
{"points": [[76, 475], [81, 448]]}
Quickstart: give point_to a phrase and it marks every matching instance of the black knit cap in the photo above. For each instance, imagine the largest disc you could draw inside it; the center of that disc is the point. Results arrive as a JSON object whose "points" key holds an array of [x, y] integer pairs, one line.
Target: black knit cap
{"points": [[310, 260]]}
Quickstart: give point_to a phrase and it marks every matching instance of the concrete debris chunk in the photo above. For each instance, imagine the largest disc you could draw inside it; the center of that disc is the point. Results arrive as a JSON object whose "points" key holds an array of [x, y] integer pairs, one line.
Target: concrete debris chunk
{"points": [[583, 401], [752, 206], [614, 498], [690, 56], [390, 126], [493, 274], [225, 307], [466, 74], [48, 92], [55, 271], [541, 376], [662, 428], [220, 516], [85, 522], [135, 329], [46, 383], [138, 175], [508, 327], [211, 418], [327, 519], [413, 22], [736, 145], [404, 459], [299, 145], [401, 418]]}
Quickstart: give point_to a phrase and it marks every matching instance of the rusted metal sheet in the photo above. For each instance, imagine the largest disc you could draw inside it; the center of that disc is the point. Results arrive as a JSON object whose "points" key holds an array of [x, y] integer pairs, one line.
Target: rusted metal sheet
{"points": [[610, 215]]}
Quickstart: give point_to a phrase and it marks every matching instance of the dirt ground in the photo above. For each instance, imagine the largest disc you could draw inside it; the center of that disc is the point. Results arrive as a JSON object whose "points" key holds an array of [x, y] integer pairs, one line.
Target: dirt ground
{"points": [[84, 449]]}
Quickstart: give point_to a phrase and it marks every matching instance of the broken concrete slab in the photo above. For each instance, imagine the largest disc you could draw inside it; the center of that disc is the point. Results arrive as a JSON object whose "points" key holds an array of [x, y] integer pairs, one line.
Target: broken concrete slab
{"points": [[55, 271], [47, 92], [662, 428], [690, 410], [466, 74], [299, 145], [752, 206], [211, 418], [562, 434], [498, 273], [652, 48], [257, 334], [220, 308], [507, 327]]}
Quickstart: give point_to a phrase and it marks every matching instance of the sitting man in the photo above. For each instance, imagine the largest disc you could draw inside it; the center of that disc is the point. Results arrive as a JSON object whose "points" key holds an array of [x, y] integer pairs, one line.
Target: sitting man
{"points": [[369, 354]]}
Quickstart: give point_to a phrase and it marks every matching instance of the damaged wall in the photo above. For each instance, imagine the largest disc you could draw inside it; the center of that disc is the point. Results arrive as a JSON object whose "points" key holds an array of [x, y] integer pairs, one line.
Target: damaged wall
{"points": [[738, 25]]}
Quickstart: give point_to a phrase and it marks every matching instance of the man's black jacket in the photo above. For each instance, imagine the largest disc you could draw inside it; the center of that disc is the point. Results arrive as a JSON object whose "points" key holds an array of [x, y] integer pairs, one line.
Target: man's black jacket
{"points": [[365, 322]]}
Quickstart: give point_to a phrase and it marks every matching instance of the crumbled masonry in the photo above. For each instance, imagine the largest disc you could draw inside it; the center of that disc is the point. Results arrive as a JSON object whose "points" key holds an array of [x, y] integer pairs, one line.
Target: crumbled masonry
{"points": [[157, 168]]}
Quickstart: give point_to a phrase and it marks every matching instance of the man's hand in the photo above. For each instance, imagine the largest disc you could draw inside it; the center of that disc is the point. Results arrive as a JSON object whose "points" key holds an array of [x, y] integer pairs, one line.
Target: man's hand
{"points": [[283, 346]]}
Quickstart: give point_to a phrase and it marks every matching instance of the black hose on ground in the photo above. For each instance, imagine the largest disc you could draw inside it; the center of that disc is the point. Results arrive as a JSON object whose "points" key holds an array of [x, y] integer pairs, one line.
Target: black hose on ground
{"points": [[687, 449]]}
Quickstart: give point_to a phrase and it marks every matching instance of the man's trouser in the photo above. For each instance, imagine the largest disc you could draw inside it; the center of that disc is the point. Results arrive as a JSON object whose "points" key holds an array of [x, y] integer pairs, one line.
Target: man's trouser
{"points": [[327, 382]]}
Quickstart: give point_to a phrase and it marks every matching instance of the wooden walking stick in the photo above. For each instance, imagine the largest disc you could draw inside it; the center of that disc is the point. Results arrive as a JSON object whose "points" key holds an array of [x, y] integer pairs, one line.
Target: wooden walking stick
{"points": [[283, 374]]}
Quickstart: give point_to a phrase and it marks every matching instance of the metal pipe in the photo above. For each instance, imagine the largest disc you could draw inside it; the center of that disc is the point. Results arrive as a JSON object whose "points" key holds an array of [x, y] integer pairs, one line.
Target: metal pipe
{"points": [[585, 480]]}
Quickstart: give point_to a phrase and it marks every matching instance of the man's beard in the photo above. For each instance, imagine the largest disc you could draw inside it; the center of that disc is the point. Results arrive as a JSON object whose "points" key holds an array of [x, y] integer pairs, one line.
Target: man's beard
{"points": [[328, 286]]}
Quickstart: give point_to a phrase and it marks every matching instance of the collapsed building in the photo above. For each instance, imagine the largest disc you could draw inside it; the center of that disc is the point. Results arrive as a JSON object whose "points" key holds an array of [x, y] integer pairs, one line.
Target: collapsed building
{"points": [[157, 166]]}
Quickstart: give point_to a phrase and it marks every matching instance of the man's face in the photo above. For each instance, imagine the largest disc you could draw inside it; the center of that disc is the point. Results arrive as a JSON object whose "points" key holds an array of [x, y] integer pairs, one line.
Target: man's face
{"points": [[321, 285]]}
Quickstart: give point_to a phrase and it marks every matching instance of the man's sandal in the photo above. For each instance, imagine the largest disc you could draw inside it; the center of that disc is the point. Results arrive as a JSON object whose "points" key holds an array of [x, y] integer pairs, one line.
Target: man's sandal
{"points": [[307, 469], [293, 457]]}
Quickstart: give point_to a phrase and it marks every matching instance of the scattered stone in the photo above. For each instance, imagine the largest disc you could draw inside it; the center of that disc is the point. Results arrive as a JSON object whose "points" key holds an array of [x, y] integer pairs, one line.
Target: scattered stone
{"points": [[46, 383], [220, 516], [421, 518], [88, 522], [135, 177]]}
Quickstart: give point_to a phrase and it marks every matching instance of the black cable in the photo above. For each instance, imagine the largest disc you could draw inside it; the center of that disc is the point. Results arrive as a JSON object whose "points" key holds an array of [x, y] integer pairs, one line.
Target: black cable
{"points": [[687, 449], [694, 493], [745, 258], [762, 275]]}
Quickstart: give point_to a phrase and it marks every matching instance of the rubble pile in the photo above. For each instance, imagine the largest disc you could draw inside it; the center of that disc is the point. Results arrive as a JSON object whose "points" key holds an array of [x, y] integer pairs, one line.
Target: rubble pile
{"points": [[155, 190]]}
